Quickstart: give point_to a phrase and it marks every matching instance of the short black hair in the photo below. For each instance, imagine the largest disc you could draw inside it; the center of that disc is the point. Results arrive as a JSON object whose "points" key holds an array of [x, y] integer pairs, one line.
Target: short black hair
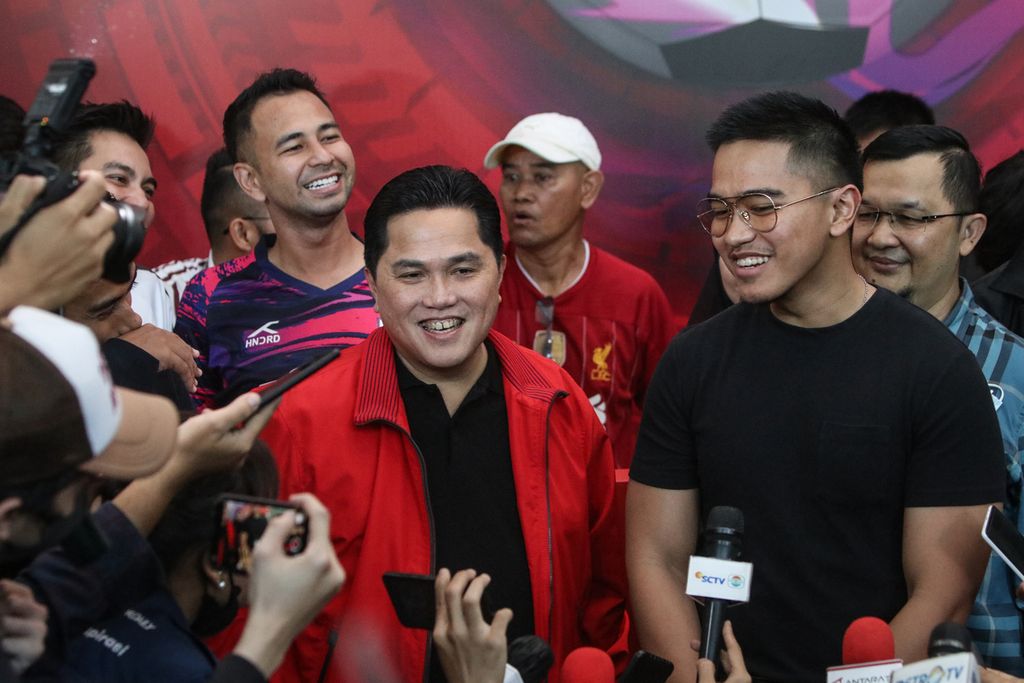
{"points": [[189, 521], [822, 148], [238, 115], [885, 110], [1002, 201], [12, 125], [123, 117], [430, 187], [961, 173], [222, 199]]}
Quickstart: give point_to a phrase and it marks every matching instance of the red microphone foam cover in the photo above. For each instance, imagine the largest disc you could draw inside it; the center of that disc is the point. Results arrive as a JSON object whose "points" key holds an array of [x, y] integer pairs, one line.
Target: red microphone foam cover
{"points": [[868, 639], [588, 665]]}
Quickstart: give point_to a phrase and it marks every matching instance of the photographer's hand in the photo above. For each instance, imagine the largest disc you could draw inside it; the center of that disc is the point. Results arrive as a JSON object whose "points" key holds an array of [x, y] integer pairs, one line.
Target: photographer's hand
{"points": [[170, 350], [60, 250], [206, 443], [286, 592], [22, 624], [471, 650]]}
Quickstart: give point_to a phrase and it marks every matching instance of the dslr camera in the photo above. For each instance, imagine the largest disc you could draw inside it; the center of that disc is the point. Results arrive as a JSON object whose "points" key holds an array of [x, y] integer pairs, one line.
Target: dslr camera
{"points": [[49, 117]]}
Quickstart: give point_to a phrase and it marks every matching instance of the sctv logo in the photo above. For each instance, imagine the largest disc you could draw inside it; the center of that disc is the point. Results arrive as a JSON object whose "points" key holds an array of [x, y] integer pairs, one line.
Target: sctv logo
{"points": [[735, 581], [937, 675]]}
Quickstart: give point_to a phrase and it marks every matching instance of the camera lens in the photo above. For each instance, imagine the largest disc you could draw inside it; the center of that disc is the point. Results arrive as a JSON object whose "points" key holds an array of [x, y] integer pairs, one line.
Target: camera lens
{"points": [[129, 232]]}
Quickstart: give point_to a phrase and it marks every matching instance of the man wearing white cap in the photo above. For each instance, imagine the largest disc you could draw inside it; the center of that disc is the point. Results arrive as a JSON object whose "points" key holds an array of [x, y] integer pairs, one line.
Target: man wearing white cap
{"points": [[602, 319]]}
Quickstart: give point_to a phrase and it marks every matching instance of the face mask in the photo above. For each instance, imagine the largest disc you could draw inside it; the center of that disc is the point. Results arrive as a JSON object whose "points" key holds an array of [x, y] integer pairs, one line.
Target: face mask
{"points": [[14, 557], [214, 618]]}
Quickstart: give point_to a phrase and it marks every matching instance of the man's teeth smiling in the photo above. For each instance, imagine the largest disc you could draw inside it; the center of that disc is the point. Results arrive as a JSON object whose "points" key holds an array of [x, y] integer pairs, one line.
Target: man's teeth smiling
{"points": [[322, 182], [441, 325], [751, 261]]}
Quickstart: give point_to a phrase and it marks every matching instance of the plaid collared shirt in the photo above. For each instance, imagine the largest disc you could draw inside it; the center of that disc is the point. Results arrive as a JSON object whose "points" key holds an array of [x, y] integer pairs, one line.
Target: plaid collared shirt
{"points": [[997, 618]]}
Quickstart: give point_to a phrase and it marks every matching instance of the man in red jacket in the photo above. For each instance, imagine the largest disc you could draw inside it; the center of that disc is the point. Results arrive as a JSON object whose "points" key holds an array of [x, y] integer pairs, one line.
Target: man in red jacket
{"points": [[440, 443]]}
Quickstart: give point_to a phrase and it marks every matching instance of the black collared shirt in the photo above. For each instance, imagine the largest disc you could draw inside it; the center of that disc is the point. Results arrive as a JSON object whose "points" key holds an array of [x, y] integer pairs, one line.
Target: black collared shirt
{"points": [[471, 487]]}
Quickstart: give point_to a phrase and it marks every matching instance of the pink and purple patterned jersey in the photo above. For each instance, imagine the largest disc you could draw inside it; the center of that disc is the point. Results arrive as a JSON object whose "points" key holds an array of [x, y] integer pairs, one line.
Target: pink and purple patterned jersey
{"points": [[252, 322]]}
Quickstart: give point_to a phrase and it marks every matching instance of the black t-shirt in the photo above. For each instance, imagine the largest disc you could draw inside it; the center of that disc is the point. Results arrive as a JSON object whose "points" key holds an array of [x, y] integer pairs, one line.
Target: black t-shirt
{"points": [[821, 437], [472, 490]]}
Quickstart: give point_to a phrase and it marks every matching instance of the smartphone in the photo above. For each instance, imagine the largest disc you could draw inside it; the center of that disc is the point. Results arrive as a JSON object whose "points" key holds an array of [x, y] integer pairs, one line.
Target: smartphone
{"points": [[647, 668], [241, 520], [1000, 533], [271, 391], [412, 596]]}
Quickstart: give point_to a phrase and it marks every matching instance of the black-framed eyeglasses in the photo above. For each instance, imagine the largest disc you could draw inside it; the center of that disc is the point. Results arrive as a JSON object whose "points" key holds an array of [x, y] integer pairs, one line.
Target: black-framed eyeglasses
{"points": [[546, 316], [867, 219], [757, 210]]}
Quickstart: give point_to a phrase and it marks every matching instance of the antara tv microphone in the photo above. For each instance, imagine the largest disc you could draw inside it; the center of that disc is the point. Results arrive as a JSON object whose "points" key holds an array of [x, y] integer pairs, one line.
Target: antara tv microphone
{"points": [[869, 653], [723, 537], [950, 659], [588, 665]]}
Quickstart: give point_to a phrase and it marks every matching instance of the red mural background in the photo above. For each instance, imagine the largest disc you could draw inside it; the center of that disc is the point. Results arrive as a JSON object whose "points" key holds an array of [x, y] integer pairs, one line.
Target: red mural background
{"points": [[415, 83]]}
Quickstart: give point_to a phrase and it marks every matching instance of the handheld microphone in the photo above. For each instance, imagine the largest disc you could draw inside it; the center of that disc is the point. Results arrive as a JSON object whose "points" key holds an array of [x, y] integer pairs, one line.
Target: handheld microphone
{"points": [[531, 657], [950, 658], [588, 665], [868, 653], [723, 537], [949, 639]]}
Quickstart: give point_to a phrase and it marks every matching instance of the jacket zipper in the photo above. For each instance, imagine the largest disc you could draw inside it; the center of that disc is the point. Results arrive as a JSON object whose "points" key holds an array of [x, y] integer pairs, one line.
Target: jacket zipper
{"points": [[547, 500], [430, 520]]}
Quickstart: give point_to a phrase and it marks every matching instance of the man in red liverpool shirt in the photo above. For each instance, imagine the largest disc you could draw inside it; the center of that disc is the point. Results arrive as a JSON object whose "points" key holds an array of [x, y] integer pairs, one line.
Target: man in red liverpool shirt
{"points": [[603, 320]]}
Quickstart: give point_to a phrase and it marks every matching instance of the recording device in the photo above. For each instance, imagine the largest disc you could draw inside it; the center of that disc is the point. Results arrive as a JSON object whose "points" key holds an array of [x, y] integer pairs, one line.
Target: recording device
{"points": [[241, 521], [273, 390], [531, 656], [647, 668], [588, 665], [723, 537], [1004, 538], [950, 659], [412, 596], [47, 118], [869, 653]]}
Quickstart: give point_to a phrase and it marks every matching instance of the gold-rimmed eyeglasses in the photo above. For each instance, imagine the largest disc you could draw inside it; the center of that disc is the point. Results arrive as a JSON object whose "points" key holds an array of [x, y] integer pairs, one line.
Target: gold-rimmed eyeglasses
{"points": [[757, 210]]}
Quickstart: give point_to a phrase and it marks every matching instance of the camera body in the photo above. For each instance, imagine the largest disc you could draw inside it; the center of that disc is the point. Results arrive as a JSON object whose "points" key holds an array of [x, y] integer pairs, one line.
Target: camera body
{"points": [[47, 118]]}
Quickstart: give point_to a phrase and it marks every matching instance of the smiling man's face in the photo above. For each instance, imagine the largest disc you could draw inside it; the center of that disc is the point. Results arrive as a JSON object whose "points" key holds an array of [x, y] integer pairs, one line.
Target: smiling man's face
{"points": [[436, 287]]}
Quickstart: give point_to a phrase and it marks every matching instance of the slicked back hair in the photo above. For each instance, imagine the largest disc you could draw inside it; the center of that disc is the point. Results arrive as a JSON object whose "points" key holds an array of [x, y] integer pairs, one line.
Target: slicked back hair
{"points": [[238, 115], [885, 110], [822, 148], [430, 187], [961, 173], [123, 117]]}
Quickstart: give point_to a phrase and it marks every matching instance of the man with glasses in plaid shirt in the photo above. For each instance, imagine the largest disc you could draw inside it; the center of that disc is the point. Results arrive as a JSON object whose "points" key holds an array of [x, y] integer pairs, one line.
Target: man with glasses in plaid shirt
{"points": [[918, 218], [856, 435]]}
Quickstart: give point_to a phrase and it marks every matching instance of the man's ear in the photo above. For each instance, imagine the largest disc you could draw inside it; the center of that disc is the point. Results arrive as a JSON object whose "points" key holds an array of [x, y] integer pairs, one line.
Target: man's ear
{"points": [[845, 202], [8, 508], [244, 234], [249, 181], [971, 230], [591, 184], [373, 286]]}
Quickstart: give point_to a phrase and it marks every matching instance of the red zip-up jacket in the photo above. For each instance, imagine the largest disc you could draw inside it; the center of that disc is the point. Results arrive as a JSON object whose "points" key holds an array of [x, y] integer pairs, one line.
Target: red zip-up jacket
{"points": [[344, 436]]}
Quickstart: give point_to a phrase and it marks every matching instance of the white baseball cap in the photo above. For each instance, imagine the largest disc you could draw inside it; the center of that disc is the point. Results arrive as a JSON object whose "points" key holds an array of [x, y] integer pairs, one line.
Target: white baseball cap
{"points": [[59, 407], [553, 137]]}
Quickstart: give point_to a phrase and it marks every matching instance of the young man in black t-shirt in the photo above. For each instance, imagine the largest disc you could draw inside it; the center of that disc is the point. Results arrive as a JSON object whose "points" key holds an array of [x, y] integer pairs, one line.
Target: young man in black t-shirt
{"points": [[853, 432]]}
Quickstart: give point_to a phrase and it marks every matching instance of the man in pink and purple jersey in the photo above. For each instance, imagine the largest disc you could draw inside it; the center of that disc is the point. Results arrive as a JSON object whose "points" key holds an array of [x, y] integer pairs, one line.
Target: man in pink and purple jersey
{"points": [[256, 317], [604, 320]]}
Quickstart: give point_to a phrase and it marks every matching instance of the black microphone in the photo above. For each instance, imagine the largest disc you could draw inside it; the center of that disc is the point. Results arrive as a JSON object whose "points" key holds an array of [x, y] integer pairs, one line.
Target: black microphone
{"points": [[723, 537], [949, 639], [531, 657]]}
